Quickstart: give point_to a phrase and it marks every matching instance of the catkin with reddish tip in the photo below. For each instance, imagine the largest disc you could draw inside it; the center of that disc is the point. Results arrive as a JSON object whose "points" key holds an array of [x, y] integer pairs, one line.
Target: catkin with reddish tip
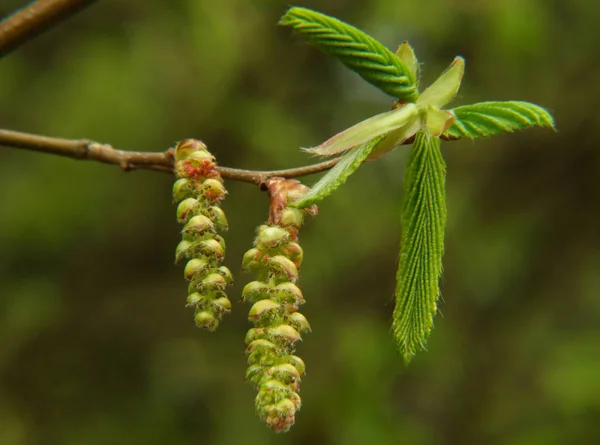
{"points": [[270, 345], [199, 191]]}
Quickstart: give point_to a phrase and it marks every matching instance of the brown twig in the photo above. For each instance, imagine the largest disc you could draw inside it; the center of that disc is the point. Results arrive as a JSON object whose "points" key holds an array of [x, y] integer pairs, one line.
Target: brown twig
{"points": [[84, 149], [34, 19]]}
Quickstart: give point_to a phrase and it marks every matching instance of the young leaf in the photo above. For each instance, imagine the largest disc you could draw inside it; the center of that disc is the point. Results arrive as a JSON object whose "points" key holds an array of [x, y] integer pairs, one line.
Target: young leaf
{"points": [[438, 121], [366, 130], [335, 177], [491, 118], [443, 90], [408, 57], [358, 51], [420, 265], [397, 137]]}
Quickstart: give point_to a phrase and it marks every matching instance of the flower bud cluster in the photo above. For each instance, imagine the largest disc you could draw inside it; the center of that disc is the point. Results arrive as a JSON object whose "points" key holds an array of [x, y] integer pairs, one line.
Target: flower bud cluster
{"points": [[273, 368], [199, 191]]}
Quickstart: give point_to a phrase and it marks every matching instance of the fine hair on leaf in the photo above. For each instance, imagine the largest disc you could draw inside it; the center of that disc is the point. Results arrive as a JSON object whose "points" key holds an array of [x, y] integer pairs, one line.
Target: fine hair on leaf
{"points": [[486, 119], [420, 265], [358, 51], [338, 175]]}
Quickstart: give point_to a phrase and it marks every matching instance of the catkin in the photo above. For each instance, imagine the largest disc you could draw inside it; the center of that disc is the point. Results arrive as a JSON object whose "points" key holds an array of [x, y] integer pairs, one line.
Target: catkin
{"points": [[270, 345], [199, 191]]}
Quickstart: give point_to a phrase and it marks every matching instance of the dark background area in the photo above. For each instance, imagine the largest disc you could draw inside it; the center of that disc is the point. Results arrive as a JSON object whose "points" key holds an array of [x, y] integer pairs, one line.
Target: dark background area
{"points": [[96, 346]]}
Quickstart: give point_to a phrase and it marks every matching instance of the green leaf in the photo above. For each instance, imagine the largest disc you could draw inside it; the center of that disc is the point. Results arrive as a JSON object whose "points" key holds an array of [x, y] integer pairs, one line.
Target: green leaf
{"points": [[443, 90], [408, 57], [438, 121], [397, 137], [366, 130], [485, 119], [335, 177], [420, 265], [358, 51]]}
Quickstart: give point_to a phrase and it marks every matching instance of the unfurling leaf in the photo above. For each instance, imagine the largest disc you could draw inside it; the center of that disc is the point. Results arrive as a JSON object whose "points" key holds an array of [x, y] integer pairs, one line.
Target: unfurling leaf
{"points": [[420, 265], [445, 87], [408, 57], [366, 130], [355, 49], [491, 118], [397, 137], [335, 177], [438, 121]]}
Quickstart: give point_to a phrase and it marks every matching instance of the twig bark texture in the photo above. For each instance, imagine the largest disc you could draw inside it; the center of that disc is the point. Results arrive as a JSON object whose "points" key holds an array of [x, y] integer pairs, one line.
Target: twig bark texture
{"points": [[84, 149], [34, 19]]}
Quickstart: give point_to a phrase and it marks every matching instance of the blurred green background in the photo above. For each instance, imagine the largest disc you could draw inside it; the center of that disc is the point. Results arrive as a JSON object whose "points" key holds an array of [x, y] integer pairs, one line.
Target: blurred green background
{"points": [[96, 346]]}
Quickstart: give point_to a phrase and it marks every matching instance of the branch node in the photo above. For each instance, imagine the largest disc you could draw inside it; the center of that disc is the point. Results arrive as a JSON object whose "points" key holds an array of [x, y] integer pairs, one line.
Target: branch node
{"points": [[126, 166], [170, 154]]}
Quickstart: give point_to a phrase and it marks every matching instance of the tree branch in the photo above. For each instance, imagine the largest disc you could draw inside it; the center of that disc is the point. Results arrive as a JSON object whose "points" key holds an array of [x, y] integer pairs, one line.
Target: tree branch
{"points": [[34, 19], [84, 149]]}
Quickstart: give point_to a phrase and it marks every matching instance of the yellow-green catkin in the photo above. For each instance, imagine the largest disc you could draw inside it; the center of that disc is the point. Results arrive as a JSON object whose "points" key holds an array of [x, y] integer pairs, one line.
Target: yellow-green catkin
{"points": [[199, 191], [270, 345]]}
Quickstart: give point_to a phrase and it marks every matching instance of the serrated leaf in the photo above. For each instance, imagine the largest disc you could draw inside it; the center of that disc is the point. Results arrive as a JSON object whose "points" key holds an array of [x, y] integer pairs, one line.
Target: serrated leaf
{"points": [[335, 177], [420, 266], [485, 119], [366, 130], [358, 51], [443, 90]]}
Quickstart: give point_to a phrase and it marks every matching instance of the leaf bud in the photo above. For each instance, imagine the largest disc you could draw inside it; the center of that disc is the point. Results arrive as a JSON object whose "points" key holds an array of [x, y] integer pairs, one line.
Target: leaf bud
{"points": [[201, 157], [185, 148]]}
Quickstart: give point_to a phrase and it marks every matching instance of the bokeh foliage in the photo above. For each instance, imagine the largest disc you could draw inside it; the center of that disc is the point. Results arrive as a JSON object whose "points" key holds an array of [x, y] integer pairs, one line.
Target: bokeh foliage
{"points": [[96, 345]]}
